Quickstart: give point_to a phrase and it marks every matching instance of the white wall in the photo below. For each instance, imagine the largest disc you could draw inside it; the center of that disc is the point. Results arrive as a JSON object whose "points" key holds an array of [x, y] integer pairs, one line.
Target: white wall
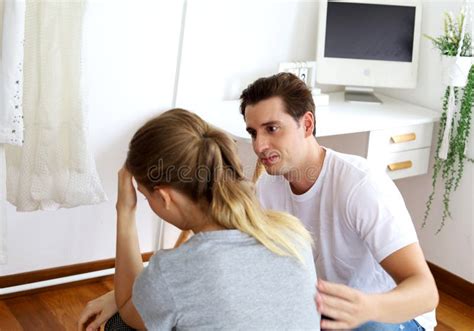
{"points": [[227, 44]]}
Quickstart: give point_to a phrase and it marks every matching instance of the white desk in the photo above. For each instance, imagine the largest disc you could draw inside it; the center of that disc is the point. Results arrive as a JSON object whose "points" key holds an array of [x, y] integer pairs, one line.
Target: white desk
{"points": [[400, 132], [341, 117]]}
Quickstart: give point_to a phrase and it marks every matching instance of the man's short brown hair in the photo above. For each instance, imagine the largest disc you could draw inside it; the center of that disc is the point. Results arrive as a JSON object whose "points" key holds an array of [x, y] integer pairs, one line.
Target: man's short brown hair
{"points": [[294, 93]]}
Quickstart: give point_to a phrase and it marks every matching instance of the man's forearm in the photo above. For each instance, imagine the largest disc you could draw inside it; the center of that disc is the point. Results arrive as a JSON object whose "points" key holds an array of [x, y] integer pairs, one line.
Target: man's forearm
{"points": [[414, 296], [128, 264]]}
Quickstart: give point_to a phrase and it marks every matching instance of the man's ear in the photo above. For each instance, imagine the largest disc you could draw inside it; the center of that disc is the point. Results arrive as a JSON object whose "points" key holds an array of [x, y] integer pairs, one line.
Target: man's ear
{"points": [[308, 123], [164, 194]]}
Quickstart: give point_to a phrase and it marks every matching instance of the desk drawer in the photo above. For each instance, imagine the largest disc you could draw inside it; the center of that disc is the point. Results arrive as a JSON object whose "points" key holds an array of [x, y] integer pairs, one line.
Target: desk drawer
{"points": [[404, 164], [400, 139]]}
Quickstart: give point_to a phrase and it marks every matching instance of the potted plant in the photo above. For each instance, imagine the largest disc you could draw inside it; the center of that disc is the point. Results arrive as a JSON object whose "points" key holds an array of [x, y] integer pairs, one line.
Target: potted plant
{"points": [[455, 46]]}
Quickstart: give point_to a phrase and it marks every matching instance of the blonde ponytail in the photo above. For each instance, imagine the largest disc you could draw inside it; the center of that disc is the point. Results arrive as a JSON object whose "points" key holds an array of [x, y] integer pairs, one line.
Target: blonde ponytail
{"points": [[235, 206]]}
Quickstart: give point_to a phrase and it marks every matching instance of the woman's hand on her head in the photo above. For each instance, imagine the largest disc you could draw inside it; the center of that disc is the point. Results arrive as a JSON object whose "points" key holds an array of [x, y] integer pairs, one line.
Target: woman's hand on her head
{"points": [[127, 195], [97, 312]]}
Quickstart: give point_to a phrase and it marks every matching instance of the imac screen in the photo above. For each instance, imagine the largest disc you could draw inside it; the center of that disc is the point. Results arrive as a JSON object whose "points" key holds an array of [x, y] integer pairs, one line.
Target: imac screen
{"points": [[369, 31]]}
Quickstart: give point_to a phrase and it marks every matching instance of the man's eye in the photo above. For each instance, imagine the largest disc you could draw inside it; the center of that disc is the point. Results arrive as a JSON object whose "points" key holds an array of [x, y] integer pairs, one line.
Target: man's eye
{"points": [[252, 135], [272, 128]]}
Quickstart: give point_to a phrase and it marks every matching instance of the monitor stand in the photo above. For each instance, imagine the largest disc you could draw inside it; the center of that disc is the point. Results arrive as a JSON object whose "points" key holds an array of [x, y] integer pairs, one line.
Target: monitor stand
{"points": [[361, 94]]}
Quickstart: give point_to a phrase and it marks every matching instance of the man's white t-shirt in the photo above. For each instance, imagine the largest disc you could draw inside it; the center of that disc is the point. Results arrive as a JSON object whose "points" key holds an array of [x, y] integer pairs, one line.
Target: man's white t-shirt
{"points": [[357, 217]]}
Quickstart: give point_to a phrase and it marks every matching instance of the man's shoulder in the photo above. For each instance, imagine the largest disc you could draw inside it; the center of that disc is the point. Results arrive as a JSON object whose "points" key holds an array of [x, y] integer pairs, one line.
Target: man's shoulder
{"points": [[351, 175], [356, 170], [354, 163], [346, 169]]}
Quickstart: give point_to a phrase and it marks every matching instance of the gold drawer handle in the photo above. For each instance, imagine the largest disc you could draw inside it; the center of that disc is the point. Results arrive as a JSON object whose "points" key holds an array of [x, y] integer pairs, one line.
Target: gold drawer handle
{"points": [[403, 138], [400, 165]]}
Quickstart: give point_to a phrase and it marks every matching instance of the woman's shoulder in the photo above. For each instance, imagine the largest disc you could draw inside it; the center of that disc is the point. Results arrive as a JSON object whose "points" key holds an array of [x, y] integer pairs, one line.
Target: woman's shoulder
{"points": [[199, 246]]}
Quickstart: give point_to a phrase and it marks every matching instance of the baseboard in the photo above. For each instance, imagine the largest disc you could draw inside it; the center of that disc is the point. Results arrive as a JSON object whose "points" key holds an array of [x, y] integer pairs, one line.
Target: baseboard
{"points": [[60, 272], [453, 285], [47, 288]]}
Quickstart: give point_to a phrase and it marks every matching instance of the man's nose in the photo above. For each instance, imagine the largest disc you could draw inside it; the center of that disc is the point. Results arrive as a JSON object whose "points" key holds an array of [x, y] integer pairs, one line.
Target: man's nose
{"points": [[260, 144]]}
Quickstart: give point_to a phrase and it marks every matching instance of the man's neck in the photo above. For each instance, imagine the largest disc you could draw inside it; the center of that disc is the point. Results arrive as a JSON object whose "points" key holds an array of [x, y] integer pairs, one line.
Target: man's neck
{"points": [[308, 172]]}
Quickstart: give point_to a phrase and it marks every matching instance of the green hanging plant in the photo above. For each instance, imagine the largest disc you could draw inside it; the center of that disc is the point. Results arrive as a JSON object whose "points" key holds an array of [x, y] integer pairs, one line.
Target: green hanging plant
{"points": [[448, 43], [451, 168]]}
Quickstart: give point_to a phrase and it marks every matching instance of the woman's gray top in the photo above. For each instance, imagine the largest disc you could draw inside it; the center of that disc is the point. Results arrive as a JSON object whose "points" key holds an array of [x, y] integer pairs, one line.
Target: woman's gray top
{"points": [[226, 280]]}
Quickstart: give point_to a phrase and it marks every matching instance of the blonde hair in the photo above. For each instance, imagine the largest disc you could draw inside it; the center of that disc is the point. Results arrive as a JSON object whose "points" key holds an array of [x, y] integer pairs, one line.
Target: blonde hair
{"points": [[181, 150]]}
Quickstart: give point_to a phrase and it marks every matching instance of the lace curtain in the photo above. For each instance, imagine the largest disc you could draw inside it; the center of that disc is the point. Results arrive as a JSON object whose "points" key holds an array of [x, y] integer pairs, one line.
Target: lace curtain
{"points": [[54, 166]]}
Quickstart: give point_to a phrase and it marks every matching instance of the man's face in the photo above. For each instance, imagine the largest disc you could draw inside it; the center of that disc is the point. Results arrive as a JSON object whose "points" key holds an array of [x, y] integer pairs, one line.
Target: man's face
{"points": [[277, 138]]}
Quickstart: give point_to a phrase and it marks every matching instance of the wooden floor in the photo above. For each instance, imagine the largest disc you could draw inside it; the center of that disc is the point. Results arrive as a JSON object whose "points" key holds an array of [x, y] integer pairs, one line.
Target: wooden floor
{"points": [[452, 314], [58, 309], [52, 310]]}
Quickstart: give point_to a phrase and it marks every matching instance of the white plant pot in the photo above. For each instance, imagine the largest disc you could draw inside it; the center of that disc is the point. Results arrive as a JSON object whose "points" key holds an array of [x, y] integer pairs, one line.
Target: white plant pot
{"points": [[455, 70]]}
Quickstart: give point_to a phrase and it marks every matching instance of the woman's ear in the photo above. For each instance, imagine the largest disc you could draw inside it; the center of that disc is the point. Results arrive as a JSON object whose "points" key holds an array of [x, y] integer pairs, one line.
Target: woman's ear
{"points": [[165, 195]]}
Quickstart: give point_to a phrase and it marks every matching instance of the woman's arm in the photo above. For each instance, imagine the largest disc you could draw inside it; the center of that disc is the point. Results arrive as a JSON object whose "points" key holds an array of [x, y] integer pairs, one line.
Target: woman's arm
{"points": [[130, 316], [129, 262]]}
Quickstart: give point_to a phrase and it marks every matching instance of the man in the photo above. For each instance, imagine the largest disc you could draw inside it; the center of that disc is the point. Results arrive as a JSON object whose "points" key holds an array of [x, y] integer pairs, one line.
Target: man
{"points": [[374, 275]]}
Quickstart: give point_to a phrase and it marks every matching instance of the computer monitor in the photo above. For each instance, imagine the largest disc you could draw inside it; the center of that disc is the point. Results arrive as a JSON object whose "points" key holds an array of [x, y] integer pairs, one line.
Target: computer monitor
{"points": [[364, 44]]}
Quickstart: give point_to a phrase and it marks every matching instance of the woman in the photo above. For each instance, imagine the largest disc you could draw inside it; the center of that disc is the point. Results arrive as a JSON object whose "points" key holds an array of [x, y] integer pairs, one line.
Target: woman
{"points": [[244, 268]]}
